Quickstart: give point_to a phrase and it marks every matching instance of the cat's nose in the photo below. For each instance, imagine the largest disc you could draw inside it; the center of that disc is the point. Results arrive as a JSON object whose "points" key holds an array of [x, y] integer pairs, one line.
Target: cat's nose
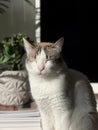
{"points": [[41, 68]]}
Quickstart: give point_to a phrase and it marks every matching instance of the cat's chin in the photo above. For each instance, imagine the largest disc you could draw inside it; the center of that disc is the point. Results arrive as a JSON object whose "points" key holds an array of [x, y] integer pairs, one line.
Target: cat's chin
{"points": [[43, 74]]}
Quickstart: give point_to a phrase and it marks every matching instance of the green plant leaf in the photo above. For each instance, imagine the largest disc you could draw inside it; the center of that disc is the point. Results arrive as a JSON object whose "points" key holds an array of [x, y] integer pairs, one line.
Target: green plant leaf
{"points": [[12, 51]]}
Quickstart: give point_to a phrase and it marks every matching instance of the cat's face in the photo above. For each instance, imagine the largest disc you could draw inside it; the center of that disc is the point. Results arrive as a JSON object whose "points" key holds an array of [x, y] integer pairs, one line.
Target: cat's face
{"points": [[43, 58]]}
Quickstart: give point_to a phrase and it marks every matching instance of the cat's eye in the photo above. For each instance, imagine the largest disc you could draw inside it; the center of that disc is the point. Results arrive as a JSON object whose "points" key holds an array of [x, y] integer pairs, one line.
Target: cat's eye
{"points": [[49, 57], [31, 59], [46, 56]]}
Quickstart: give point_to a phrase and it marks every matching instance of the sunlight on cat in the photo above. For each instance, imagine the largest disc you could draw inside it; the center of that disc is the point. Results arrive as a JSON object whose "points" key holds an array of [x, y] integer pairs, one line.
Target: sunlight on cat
{"points": [[64, 96]]}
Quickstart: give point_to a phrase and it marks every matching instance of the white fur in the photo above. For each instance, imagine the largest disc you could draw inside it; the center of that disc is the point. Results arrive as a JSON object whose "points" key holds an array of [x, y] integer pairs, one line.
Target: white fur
{"points": [[61, 95]]}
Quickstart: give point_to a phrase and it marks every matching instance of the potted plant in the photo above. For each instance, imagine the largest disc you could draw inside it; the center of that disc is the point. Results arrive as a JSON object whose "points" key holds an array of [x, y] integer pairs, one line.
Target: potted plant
{"points": [[14, 85]]}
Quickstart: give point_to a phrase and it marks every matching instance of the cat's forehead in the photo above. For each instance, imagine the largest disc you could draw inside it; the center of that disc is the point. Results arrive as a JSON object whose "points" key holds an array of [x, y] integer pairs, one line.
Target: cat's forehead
{"points": [[44, 44]]}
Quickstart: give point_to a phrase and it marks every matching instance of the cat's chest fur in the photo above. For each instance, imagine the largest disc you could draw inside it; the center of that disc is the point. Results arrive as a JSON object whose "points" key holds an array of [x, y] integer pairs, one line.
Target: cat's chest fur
{"points": [[43, 88]]}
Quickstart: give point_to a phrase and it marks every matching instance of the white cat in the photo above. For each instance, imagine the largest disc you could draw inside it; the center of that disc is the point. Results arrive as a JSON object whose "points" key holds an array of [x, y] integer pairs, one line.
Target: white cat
{"points": [[64, 96]]}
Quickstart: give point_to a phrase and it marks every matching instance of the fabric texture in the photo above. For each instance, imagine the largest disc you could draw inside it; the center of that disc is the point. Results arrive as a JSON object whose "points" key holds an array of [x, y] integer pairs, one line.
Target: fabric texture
{"points": [[14, 88]]}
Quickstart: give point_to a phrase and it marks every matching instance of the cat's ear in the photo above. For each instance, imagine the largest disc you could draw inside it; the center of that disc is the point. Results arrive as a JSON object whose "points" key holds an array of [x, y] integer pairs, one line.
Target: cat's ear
{"points": [[59, 44], [28, 47]]}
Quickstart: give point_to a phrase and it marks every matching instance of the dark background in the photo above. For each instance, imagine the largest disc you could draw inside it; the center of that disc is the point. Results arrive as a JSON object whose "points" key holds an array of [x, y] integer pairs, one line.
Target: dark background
{"points": [[76, 20]]}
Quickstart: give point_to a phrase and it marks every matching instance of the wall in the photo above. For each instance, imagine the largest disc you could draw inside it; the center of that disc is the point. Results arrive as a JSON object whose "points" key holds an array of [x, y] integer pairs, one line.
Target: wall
{"points": [[19, 17]]}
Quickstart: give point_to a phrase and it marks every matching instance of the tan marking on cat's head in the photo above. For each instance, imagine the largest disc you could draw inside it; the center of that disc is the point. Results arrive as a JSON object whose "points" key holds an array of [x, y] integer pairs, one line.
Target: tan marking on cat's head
{"points": [[44, 44], [49, 49], [52, 50]]}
